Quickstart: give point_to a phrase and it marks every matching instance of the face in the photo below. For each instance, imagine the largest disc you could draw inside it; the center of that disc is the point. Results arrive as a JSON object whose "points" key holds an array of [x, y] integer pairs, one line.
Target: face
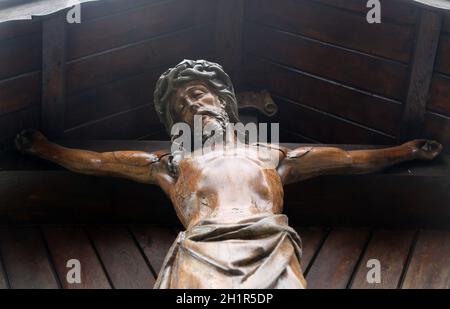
{"points": [[194, 98]]}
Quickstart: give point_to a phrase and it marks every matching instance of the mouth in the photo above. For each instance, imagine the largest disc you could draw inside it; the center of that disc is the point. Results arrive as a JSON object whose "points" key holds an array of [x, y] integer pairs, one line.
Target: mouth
{"points": [[214, 123], [209, 112]]}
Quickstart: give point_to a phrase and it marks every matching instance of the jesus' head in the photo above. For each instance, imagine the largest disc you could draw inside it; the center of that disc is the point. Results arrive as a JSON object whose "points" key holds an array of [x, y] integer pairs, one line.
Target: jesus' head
{"points": [[196, 88]]}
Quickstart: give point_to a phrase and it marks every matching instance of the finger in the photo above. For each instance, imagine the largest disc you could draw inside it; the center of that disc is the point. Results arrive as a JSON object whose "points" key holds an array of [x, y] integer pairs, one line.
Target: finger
{"points": [[437, 147], [434, 146]]}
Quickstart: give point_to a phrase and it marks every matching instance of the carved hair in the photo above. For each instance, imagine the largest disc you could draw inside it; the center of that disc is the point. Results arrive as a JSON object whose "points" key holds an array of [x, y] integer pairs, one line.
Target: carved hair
{"points": [[212, 74]]}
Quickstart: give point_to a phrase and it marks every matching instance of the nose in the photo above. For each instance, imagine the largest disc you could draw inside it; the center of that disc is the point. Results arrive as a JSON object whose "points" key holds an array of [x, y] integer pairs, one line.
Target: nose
{"points": [[193, 106]]}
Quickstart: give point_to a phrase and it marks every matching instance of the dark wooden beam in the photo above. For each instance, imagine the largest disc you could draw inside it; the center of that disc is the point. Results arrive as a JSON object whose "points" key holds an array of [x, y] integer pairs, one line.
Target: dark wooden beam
{"points": [[411, 195], [428, 33], [53, 74], [229, 25]]}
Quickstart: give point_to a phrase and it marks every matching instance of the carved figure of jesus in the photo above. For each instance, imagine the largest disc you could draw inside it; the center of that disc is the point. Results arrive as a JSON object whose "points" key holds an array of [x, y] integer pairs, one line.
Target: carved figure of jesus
{"points": [[229, 201]]}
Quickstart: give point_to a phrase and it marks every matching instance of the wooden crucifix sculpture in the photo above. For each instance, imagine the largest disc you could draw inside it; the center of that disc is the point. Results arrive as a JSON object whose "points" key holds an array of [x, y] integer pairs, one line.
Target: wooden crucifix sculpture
{"points": [[228, 199]]}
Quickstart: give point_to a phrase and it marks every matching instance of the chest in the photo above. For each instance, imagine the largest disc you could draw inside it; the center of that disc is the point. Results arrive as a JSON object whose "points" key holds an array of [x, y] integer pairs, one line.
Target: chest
{"points": [[226, 176]]}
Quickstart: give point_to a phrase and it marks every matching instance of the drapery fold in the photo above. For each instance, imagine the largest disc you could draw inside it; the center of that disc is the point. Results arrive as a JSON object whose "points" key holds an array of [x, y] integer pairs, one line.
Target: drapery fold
{"points": [[257, 252]]}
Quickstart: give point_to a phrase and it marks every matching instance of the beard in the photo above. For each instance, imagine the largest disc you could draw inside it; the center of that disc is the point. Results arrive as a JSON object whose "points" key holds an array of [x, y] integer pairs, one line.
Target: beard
{"points": [[214, 122], [213, 126]]}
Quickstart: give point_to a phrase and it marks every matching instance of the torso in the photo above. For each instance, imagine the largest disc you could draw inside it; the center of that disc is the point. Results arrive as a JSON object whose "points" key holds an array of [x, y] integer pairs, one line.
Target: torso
{"points": [[227, 185]]}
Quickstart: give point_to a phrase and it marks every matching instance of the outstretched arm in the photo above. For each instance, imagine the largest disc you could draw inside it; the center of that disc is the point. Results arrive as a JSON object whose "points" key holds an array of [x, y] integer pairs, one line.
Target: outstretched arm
{"points": [[307, 162], [135, 165]]}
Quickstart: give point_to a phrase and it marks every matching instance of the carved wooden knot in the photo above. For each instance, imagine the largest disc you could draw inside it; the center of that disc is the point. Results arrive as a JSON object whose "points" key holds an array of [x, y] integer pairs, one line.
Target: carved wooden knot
{"points": [[261, 101]]}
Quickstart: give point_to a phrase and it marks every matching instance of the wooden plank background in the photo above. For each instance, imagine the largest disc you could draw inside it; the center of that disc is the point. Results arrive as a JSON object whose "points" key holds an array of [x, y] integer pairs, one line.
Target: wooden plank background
{"points": [[336, 78], [140, 41], [326, 58], [124, 256], [79, 247], [20, 78], [437, 116]]}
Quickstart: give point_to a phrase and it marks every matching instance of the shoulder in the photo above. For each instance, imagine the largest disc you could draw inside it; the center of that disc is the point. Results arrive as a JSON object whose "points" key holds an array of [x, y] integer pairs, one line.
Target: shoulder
{"points": [[272, 147], [284, 152], [298, 152]]}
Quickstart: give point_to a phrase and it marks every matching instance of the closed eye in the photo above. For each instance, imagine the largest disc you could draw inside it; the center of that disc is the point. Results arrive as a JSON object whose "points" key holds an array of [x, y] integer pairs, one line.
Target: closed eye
{"points": [[197, 94]]}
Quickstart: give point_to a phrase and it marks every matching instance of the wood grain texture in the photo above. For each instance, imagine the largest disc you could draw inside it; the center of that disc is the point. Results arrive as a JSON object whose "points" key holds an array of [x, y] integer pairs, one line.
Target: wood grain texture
{"points": [[20, 78], [135, 59], [430, 264], [122, 259], [393, 10], [13, 123], [390, 248], [20, 55], [18, 28], [102, 9], [158, 135], [337, 259], [335, 26], [135, 25], [324, 126], [57, 197], [155, 242], [342, 65], [127, 124], [53, 75], [20, 93], [26, 259], [442, 59], [312, 238], [67, 243], [111, 98], [446, 27], [413, 117], [440, 94], [349, 103], [403, 201], [294, 137], [437, 127], [229, 34]]}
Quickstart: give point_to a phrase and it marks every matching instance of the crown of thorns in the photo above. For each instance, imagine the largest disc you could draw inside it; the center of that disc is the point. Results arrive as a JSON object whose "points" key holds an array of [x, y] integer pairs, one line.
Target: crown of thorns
{"points": [[212, 74]]}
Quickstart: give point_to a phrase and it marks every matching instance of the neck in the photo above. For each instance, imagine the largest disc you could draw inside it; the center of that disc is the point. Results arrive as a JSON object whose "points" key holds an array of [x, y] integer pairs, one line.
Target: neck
{"points": [[227, 138]]}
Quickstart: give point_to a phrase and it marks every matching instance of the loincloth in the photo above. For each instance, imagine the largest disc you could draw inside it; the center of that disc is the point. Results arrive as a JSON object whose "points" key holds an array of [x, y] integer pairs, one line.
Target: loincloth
{"points": [[257, 252]]}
